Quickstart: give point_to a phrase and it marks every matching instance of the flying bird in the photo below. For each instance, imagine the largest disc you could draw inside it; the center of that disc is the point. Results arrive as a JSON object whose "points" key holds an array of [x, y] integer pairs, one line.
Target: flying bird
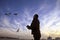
{"points": [[15, 14], [18, 30], [7, 14]]}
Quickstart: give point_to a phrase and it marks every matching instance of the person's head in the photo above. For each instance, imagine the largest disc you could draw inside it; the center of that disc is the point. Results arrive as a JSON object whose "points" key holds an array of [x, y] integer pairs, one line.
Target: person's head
{"points": [[36, 16]]}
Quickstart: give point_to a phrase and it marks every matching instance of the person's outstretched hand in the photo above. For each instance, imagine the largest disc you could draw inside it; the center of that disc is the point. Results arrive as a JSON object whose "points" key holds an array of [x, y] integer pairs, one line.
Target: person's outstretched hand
{"points": [[28, 27]]}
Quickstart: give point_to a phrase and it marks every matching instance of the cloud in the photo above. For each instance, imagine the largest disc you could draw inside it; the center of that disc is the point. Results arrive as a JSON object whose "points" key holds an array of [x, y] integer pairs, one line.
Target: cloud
{"points": [[7, 33], [50, 22], [4, 32]]}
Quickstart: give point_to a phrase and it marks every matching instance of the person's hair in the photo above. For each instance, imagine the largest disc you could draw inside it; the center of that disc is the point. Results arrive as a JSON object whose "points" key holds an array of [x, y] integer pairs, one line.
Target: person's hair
{"points": [[35, 16]]}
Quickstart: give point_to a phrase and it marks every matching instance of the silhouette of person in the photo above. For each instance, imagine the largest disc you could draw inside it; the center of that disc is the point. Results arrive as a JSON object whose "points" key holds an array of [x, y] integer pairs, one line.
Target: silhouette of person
{"points": [[35, 27]]}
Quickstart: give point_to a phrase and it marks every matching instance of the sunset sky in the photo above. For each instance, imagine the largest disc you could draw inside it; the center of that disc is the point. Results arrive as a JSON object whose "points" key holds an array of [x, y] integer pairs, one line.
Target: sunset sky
{"points": [[48, 11]]}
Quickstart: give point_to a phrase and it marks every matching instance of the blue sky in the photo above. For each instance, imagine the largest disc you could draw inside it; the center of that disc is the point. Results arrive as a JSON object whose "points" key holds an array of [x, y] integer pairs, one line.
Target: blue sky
{"points": [[48, 11]]}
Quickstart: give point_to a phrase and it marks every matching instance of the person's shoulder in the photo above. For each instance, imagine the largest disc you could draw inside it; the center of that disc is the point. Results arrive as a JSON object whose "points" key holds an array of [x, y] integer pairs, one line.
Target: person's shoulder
{"points": [[38, 21]]}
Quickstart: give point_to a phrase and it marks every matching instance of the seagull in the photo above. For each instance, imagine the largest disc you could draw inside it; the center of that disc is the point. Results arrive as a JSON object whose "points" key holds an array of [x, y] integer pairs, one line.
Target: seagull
{"points": [[18, 30], [7, 14], [15, 14]]}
